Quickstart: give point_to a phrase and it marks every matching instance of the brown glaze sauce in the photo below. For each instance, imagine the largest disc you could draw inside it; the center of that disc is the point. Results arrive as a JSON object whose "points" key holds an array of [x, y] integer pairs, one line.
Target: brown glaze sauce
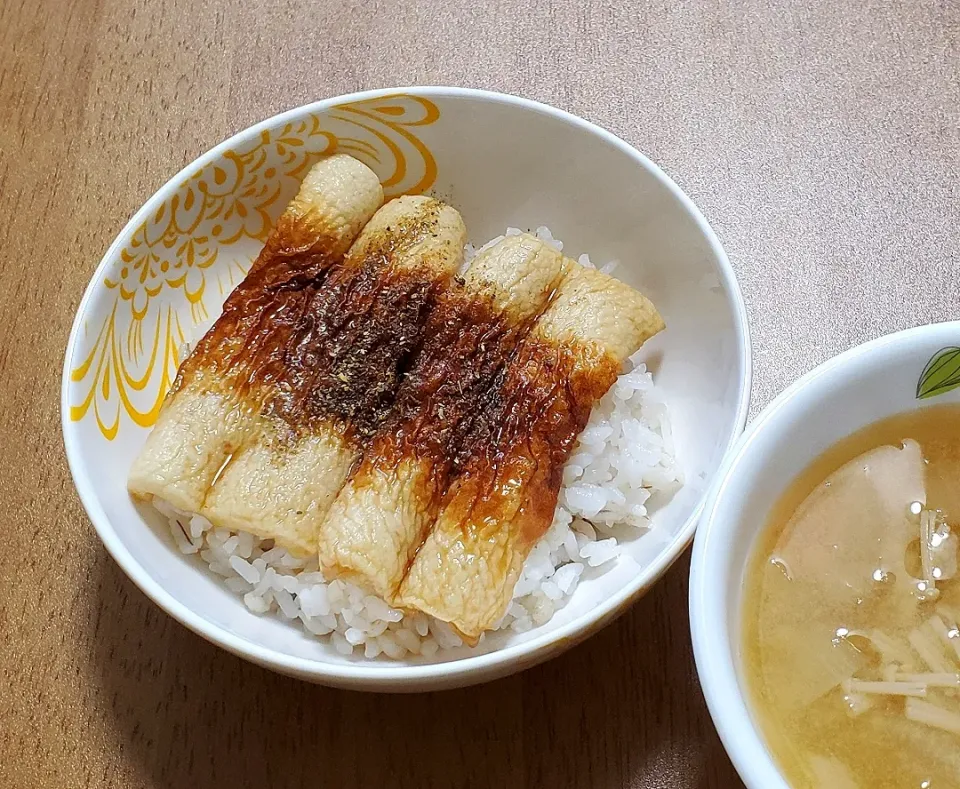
{"points": [[468, 342], [511, 465], [308, 338], [345, 356], [281, 279]]}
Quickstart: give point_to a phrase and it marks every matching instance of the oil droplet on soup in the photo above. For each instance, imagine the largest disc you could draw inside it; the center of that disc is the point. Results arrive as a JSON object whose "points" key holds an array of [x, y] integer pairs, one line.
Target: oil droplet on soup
{"points": [[851, 621]]}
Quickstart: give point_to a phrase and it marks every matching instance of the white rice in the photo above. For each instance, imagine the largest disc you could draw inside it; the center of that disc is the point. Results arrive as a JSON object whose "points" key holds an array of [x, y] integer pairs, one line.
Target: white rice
{"points": [[624, 455]]}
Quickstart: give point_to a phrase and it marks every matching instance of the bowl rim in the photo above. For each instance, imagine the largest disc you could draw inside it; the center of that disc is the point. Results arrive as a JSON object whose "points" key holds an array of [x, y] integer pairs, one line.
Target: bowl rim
{"points": [[388, 676], [710, 569]]}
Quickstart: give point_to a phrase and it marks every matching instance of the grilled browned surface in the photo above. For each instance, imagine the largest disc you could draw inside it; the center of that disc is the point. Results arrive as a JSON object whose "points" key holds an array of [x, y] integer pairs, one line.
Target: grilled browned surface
{"points": [[511, 465], [383, 513], [207, 413]]}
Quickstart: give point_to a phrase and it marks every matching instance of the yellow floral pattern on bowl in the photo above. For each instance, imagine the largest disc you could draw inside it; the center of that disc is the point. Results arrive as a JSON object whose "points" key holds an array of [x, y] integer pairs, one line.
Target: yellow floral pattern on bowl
{"points": [[178, 265]]}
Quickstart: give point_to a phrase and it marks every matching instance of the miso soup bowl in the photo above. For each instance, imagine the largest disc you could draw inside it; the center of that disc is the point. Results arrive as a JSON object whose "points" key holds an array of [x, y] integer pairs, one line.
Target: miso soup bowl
{"points": [[502, 161], [902, 372]]}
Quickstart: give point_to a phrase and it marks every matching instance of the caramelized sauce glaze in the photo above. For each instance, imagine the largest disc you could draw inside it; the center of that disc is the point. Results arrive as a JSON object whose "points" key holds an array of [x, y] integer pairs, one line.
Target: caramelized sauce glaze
{"points": [[308, 338], [511, 465]]}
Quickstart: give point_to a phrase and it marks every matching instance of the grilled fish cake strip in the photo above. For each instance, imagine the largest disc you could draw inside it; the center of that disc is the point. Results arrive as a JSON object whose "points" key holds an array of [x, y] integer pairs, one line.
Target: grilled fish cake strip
{"points": [[206, 413], [504, 499]]}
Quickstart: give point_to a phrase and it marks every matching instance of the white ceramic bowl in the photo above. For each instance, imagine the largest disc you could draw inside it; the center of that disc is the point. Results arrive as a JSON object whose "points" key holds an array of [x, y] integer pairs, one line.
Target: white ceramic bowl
{"points": [[891, 375], [501, 161]]}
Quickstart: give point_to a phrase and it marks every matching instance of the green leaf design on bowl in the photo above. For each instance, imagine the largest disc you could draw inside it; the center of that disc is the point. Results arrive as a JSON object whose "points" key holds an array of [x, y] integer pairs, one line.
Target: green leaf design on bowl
{"points": [[941, 375]]}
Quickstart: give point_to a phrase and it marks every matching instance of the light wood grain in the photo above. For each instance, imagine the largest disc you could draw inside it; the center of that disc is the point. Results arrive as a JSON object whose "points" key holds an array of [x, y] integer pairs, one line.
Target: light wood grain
{"points": [[820, 138]]}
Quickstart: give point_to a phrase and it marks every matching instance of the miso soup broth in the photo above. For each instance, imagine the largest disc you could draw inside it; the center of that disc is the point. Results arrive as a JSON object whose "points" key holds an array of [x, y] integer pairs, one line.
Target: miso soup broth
{"points": [[851, 644]]}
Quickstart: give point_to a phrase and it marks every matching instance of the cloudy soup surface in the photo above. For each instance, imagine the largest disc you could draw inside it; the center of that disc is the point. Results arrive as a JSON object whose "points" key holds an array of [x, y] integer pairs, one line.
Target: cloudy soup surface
{"points": [[851, 645]]}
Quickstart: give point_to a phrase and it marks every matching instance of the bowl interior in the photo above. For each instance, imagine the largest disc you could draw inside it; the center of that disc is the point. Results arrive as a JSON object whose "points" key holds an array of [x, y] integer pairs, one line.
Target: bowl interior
{"points": [[502, 162], [862, 386]]}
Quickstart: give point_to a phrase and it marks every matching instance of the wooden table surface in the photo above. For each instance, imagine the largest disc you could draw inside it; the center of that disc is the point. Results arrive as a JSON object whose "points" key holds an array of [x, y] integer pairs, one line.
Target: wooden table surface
{"points": [[820, 139]]}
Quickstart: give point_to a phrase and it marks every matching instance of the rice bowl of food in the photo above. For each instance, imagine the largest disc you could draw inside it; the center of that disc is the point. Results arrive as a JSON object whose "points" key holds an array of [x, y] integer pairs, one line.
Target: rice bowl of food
{"points": [[407, 389]]}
